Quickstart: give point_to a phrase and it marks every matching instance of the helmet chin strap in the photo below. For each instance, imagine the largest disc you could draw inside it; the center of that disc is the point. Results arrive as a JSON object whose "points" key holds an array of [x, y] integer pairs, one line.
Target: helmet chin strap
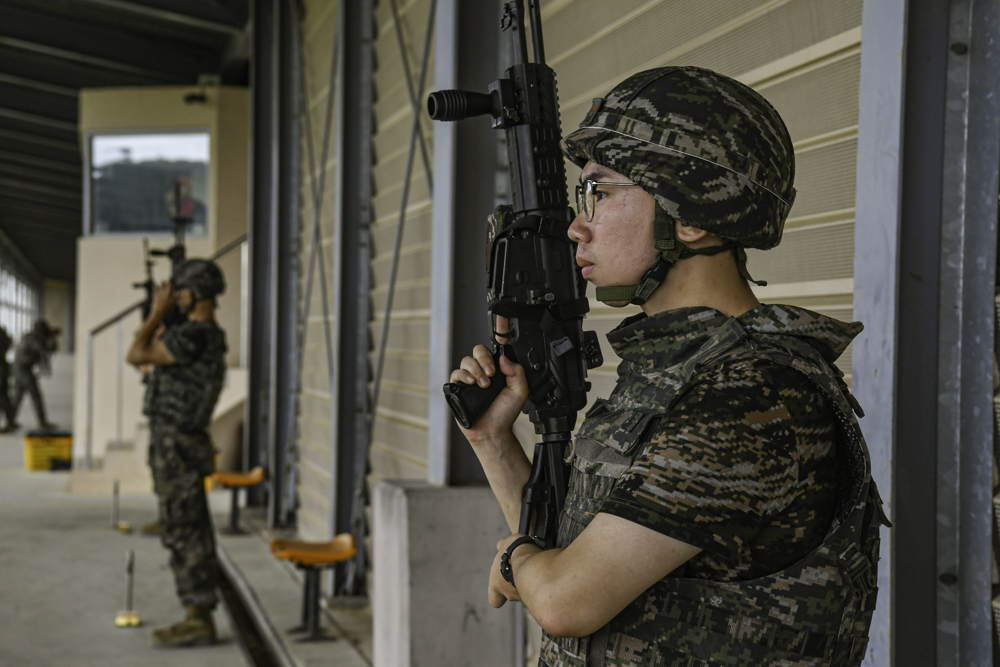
{"points": [[671, 252]]}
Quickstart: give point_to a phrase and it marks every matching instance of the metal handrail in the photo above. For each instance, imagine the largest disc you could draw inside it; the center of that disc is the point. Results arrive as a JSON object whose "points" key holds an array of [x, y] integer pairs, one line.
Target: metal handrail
{"points": [[117, 319]]}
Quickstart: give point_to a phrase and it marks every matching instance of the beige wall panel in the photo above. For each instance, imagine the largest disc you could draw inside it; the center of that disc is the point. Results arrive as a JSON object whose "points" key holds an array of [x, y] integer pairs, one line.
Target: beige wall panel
{"points": [[400, 431], [385, 204], [393, 137], [820, 101], [319, 25], [824, 177], [403, 398], [408, 368], [414, 263], [410, 296], [387, 464], [813, 253], [315, 408], [406, 333], [406, 434], [417, 230]]}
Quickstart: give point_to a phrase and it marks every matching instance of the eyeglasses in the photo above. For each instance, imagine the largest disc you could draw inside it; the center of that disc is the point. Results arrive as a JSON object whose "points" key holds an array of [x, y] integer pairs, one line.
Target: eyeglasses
{"points": [[586, 196]]}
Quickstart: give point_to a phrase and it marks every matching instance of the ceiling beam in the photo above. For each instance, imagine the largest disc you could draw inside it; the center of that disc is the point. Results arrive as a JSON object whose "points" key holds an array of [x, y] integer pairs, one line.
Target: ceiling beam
{"points": [[63, 222], [40, 200], [22, 186], [38, 120], [38, 85], [166, 16], [41, 176], [69, 167], [78, 58], [48, 142]]}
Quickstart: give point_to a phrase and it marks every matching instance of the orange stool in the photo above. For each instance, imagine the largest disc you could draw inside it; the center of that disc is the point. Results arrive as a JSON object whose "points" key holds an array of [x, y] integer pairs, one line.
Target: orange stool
{"points": [[236, 481], [313, 557]]}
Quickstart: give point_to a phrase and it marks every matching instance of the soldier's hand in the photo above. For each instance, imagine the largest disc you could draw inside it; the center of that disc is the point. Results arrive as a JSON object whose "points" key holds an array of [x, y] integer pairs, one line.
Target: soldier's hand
{"points": [[500, 416], [163, 299]]}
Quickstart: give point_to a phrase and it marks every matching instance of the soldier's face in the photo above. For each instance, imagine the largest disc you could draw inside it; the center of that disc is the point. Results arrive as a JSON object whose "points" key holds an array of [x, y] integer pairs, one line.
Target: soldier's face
{"points": [[184, 300], [616, 247]]}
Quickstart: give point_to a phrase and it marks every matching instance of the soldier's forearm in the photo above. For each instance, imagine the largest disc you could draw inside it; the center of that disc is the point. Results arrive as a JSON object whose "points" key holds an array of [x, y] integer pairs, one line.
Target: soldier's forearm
{"points": [[143, 338], [507, 470]]}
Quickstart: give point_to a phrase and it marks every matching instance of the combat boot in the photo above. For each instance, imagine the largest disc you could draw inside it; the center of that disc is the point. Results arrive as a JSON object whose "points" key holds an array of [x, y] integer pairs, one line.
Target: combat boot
{"points": [[197, 629]]}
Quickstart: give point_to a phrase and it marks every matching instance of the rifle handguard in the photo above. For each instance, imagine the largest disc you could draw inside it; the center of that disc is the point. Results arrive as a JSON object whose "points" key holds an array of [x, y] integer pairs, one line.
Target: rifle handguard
{"points": [[468, 402]]}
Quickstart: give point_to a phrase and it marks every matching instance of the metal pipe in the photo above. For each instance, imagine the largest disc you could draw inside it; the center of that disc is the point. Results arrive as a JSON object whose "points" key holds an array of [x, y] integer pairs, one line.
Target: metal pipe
{"points": [[357, 520], [120, 407], [89, 443], [114, 506]]}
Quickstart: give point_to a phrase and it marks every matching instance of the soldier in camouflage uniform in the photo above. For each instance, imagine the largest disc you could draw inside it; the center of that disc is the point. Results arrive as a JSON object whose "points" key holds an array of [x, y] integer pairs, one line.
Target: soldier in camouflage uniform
{"points": [[33, 350], [720, 508], [189, 368], [6, 406]]}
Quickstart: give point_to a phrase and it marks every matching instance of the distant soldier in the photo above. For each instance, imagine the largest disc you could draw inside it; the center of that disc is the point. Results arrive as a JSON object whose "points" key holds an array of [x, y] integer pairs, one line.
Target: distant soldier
{"points": [[188, 369], [5, 403], [33, 350]]}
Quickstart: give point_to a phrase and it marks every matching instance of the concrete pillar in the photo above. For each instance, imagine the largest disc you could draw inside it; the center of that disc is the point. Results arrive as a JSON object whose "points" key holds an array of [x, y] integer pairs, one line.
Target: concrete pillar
{"points": [[433, 548]]}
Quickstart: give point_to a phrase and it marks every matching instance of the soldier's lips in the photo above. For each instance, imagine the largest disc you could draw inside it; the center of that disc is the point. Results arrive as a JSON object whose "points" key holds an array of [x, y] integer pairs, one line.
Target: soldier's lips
{"points": [[586, 268]]}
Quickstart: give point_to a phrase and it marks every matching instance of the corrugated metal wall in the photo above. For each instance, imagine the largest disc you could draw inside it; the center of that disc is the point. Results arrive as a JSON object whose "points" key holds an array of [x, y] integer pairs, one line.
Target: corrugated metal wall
{"points": [[399, 440], [315, 441], [803, 55]]}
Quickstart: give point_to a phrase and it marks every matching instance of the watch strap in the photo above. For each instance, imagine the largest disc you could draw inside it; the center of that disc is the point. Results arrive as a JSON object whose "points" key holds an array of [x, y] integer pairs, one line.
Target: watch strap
{"points": [[506, 571]]}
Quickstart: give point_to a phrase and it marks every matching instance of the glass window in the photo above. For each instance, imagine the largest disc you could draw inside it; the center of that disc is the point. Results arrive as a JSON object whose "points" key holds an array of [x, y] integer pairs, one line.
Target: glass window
{"points": [[137, 180]]}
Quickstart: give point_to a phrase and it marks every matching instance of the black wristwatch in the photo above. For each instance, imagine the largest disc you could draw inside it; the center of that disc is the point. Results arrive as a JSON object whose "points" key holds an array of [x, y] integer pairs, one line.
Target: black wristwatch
{"points": [[506, 571]]}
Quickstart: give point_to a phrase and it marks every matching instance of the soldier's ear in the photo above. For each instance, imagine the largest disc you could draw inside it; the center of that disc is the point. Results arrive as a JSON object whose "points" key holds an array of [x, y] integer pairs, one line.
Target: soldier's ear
{"points": [[687, 234]]}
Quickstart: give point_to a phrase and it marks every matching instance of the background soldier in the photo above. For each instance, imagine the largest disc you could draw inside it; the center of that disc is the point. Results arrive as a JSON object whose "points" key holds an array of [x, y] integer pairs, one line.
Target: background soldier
{"points": [[720, 506], [33, 350], [189, 368], [6, 406]]}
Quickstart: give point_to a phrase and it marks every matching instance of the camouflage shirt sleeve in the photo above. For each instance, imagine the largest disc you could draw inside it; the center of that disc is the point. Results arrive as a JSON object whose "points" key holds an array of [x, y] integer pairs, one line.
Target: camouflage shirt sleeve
{"points": [[186, 343], [720, 466]]}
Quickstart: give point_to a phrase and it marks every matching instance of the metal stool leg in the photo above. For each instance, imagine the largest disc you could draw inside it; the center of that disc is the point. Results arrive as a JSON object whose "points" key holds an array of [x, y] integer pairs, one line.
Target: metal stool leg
{"points": [[234, 512], [314, 630], [306, 604]]}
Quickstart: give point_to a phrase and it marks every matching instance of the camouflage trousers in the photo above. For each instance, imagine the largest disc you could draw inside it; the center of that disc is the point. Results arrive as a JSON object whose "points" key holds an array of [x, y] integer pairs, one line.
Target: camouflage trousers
{"points": [[5, 405], [25, 381], [180, 462]]}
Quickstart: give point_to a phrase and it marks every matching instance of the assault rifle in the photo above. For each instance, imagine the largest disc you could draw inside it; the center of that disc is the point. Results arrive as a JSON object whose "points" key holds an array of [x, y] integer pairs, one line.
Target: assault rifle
{"points": [[176, 253], [534, 280]]}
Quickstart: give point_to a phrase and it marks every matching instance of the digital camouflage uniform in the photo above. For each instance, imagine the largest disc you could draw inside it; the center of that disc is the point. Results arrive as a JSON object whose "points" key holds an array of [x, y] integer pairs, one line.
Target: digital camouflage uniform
{"points": [[33, 349], [6, 406], [179, 402], [735, 435]]}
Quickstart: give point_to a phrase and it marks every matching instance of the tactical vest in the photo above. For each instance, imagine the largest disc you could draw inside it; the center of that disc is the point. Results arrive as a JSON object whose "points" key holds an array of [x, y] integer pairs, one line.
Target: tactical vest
{"points": [[816, 612]]}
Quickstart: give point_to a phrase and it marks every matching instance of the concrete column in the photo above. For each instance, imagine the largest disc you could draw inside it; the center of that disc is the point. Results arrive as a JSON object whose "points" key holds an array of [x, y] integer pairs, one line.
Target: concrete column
{"points": [[433, 548]]}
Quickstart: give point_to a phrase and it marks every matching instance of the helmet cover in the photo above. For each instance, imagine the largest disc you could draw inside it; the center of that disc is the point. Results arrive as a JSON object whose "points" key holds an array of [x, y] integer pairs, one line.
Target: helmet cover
{"points": [[712, 152], [202, 276]]}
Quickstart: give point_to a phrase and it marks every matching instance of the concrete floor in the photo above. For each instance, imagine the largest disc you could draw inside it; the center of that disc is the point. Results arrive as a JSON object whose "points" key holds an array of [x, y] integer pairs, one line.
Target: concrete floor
{"points": [[62, 567]]}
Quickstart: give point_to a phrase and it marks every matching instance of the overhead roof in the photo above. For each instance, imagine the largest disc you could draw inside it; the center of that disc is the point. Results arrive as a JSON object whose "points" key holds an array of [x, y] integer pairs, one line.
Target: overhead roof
{"points": [[49, 50]]}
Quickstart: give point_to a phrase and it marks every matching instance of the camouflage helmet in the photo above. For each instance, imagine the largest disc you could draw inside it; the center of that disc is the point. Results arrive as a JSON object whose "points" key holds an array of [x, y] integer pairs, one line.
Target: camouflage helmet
{"points": [[712, 152], [202, 276]]}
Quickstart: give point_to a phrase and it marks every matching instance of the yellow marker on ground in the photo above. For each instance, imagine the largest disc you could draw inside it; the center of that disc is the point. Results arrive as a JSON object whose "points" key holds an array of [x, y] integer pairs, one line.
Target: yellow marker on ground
{"points": [[128, 618]]}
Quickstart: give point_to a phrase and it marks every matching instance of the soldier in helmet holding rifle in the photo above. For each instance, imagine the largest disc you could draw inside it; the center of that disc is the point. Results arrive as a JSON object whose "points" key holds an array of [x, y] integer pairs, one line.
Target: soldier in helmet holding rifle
{"points": [[720, 507], [189, 368]]}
